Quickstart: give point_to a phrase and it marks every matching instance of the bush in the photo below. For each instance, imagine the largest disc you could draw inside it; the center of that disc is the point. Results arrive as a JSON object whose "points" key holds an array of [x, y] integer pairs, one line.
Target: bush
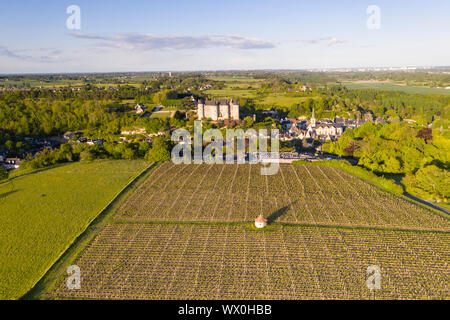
{"points": [[160, 151], [86, 156], [430, 182]]}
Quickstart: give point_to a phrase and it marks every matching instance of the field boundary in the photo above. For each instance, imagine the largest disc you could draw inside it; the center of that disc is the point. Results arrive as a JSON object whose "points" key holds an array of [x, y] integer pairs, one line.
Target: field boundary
{"points": [[48, 276]]}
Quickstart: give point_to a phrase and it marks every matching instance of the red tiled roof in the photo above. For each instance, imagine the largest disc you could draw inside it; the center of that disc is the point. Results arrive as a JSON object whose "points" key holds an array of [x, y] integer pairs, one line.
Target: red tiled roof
{"points": [[260, 219]]}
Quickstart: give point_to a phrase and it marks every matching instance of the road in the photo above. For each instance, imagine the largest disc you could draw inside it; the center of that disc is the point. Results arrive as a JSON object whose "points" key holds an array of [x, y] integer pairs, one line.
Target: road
{"points": [[426, 203]]}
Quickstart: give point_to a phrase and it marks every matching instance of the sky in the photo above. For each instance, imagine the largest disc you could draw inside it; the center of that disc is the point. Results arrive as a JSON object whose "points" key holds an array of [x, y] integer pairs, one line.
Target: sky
{"points": [[181, 35]]}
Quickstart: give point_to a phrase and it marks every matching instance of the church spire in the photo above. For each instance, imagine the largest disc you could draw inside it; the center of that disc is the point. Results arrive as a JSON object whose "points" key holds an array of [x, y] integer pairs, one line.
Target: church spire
{"points": [[313, 119]]}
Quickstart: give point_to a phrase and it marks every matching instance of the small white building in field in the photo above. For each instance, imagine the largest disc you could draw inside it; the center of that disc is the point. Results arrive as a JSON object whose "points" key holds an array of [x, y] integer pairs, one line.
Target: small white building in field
{"points": [[260, 222]]}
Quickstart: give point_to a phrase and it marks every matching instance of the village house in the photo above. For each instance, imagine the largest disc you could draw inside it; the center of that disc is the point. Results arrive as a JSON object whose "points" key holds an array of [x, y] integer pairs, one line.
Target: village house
{"points": [[69, 135], [305, 88], [205, 87], [286, 124], [323, 130], [12, 163], [140, 108], [368, 117], [134, 132], [92, 142], [380, 120]]}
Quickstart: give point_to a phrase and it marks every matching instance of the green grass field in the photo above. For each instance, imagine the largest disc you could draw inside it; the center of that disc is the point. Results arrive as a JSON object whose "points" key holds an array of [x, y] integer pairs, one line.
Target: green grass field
{"points": [[161, 115], [236, 88], [230, 92], [42, 213], [248, 88], [396, 87], [282, 99], [236, 79]]}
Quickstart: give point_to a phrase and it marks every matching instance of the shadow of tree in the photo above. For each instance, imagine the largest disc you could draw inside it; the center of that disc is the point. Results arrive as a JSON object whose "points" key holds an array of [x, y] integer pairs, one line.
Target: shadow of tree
{"points": [[5, 194], [275, 215]]}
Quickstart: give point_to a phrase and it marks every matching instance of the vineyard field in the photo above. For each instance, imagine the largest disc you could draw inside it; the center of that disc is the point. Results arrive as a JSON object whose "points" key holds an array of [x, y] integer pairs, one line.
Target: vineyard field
{"points": [[313, 195], [139, 261]]}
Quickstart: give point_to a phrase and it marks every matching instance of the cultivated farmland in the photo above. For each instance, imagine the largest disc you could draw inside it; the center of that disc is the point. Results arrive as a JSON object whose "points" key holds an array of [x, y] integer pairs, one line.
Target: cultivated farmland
{"points": [[233, 262], [297, 194], [186, 232]]}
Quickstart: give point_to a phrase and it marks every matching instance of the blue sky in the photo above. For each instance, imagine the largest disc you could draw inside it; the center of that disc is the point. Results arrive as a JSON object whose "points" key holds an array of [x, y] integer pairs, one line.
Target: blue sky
{"points": [[150, 35]]}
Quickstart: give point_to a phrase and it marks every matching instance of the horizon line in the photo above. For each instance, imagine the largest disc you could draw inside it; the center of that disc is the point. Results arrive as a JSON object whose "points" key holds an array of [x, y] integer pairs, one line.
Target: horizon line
{"points": [[335, 69]]}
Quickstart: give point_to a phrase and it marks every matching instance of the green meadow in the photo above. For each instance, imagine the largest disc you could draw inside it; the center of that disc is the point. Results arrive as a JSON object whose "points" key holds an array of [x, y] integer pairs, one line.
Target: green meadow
{"points": [[161, 115], [248, 88], [283, 99], [232, 91], [42, 213]]}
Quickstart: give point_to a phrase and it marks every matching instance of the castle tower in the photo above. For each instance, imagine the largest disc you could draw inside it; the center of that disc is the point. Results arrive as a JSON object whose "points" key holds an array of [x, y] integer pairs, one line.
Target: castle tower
{"points": [[215, 112], [260, 222], [234, 106], [200, 110]]}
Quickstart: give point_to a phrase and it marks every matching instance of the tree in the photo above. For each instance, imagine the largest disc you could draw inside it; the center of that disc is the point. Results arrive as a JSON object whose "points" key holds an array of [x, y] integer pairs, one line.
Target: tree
{"points": [[143, 148], [156, 125], [86, 156], [186, 104], [430, 182], [426, 134], [248, 122], [129, 154], [9, 145], [159, 152], [350, 150]]}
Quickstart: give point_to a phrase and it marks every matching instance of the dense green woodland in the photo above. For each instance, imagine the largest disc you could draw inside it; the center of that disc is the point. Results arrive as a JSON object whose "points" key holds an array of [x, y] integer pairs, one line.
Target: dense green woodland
{"points": [[418, 155]]}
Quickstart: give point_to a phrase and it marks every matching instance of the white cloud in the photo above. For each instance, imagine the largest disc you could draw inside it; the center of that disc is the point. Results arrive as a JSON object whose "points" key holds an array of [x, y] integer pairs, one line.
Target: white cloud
{"points": [[37, 55], [329, 41], [147, 42]]}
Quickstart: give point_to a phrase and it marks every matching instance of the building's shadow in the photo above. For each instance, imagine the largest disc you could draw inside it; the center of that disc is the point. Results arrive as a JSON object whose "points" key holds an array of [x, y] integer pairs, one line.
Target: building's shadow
{"points": [[280, 212]]}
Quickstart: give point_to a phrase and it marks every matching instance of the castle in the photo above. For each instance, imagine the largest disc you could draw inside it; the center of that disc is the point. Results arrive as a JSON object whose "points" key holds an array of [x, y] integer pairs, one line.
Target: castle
{"points": [[218, 109]]}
